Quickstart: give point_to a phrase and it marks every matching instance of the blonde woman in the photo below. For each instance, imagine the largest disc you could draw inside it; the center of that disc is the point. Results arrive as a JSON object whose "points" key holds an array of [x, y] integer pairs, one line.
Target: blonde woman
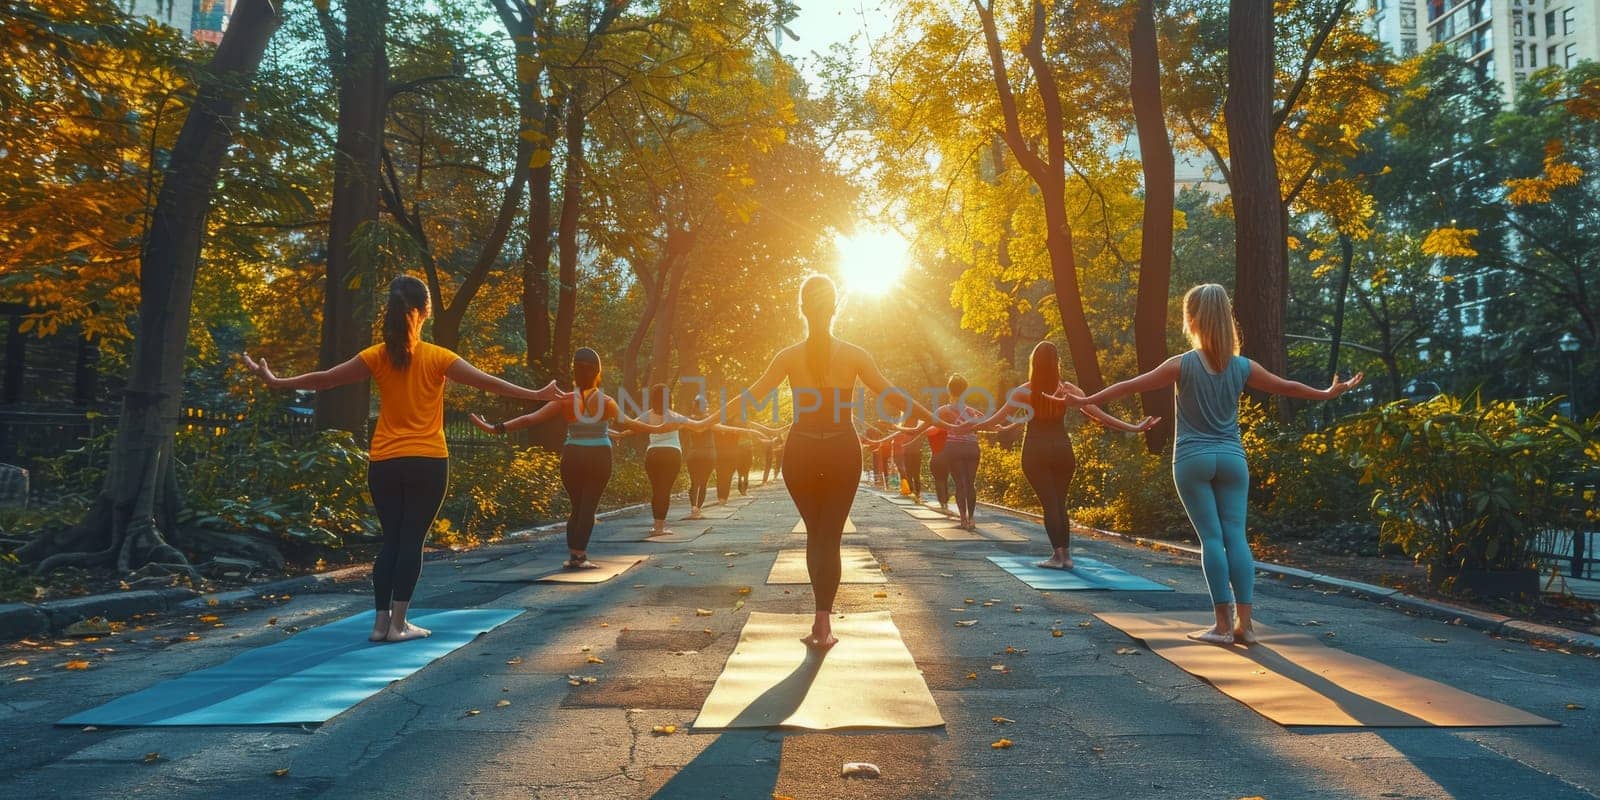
{"points": [[1208, 461]]}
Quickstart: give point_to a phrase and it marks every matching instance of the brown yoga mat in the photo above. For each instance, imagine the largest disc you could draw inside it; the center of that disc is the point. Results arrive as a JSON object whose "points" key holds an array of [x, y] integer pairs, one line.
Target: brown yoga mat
{"points": [[849, 526], [867, 680], [859, 567], [1293, 679], [987, 531]]}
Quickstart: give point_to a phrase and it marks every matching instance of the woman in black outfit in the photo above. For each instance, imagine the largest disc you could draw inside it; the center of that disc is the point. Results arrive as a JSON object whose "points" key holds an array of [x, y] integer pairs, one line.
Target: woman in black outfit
{"points": [[1047, 459], [822, 458]]}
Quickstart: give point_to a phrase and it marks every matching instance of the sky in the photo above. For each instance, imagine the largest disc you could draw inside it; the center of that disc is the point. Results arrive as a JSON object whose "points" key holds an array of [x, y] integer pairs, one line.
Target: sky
{"points": [[824, 23]]}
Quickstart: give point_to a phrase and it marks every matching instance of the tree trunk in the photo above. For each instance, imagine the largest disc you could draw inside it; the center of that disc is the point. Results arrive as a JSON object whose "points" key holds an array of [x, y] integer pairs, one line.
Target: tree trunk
{"points": [[122, 528], [567, 230], [536, 258], [1260, 291], [1069, 299], [1155, 254], [350, 283], [1347, 253]]}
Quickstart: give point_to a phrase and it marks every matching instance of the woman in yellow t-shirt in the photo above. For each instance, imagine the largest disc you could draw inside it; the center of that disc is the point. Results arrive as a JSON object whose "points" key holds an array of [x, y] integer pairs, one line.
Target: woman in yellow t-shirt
{"points": [[409, 466]]}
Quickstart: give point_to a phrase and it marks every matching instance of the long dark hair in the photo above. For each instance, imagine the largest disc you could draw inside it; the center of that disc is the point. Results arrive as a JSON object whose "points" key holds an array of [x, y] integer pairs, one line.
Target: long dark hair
{"points": [[818, 300], [406, 294], [585, 374], [1044, 377]]}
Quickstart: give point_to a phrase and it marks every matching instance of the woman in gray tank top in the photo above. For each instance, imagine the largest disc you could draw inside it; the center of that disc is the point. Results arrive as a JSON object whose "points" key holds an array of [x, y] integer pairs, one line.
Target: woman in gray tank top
{"points": [[1208, 463]]}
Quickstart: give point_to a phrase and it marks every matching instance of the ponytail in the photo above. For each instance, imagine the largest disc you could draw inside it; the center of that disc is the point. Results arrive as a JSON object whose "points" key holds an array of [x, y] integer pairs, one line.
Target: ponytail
{"points": [[818, 301], [406, 294]]}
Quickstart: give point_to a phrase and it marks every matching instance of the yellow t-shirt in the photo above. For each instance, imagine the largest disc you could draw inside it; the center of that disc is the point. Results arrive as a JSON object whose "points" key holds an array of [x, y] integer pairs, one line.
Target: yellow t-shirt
{"points": [[410, 402]]}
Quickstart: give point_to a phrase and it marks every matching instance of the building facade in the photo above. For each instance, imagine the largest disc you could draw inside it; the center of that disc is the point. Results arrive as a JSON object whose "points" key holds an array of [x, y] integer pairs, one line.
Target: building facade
{"points": [[202, 19], [1504, 40]]}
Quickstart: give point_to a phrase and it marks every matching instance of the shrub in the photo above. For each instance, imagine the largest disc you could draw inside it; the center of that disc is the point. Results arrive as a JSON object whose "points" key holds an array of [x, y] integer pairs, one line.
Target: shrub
{"points": [[1469, 484], [1300, 484]]}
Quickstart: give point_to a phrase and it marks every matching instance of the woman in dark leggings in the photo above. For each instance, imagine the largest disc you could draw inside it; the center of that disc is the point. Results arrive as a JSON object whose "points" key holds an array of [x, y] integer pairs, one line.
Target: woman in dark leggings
{"points": [[746, 458], [822, 459], [701, 458], [586, 455], [961, 449], [663, 457], [1046, 450], [408, 464], [727, 463]]}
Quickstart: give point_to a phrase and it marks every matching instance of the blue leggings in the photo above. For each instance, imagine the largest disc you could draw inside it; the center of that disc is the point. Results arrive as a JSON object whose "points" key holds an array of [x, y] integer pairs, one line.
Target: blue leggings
{"points": [[1214, 489]]}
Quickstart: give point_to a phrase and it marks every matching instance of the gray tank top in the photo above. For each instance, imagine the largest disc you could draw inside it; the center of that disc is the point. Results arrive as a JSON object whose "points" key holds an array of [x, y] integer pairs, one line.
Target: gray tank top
{"points": [[1208, 407]]}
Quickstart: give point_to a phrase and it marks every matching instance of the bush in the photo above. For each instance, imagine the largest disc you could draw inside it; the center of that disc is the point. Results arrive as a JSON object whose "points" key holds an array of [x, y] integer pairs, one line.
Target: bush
{"points": [[495, 488], [1469, 484], [1300, 485]]}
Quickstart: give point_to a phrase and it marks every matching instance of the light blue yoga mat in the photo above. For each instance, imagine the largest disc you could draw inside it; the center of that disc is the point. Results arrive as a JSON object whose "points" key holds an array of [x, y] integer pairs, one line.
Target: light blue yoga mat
{"points": [[309, 677], [1086, 573]]}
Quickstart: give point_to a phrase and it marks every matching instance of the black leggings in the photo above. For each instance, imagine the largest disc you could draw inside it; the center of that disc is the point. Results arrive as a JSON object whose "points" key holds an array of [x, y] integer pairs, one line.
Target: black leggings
{"points": [[746, 458], [1047, 462], [661, 464], [821, 473], [941, 477], [727, 464], [962, 459], [585, 470], [700, 464], [407, 493], [911, 470]]}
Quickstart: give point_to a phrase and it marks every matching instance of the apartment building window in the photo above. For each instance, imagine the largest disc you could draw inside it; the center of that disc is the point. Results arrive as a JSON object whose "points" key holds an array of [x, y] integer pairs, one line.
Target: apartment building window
{"points": [[1516, 25], [1549, 23], [1533, 56], [1408, 19], [1572, 56], [1550, 56], [1408, 46], [1567, 22], [1516, 59]]}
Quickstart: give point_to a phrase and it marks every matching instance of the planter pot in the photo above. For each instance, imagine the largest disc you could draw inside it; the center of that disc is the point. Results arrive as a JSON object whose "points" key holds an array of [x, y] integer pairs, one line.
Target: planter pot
{"points": [[1485, 584]]}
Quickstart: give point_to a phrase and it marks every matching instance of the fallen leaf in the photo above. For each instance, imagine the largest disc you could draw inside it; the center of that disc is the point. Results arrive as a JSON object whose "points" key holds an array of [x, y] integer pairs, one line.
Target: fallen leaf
{"points": [[89, 729], [969, 601], [502, 703], [1010, 650], [209, 618], [473, 712], [15, 663], [664, 730], [860, 769], [1085, 624], [279, 773], [738, 604], [213, 602], [1056, 632], [1127, 651], [513, 661], [744, 590], [574, 682], [1002, 720], [880, 594], [998, 668], [1574, 707], [1437, 639], [584, 649], [605, 624], [702, 612], [1017, 609], [151, 758], [1001, 744], [966, 623], [972, 676], [272, 621], [594, 660], [75, 664]]}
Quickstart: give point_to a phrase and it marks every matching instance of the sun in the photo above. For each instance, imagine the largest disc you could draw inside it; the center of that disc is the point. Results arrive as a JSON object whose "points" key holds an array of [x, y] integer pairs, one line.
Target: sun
{"points": [[872, 261]]}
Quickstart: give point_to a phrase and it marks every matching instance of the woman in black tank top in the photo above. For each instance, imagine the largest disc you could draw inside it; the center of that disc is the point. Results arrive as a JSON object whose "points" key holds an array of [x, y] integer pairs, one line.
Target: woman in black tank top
{"points": [[822, 458]]}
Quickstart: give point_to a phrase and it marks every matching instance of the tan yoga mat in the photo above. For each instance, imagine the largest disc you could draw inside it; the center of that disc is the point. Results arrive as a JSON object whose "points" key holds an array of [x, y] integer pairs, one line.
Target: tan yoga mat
{"points": [[1293, 679], [987, 531], [609, 567], [859, 567], [867, 680], [923, 512], [849, 526], [680, 533]]}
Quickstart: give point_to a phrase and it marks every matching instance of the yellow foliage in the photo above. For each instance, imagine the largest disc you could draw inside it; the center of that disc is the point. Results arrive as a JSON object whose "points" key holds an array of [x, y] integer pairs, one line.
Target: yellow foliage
{"points": [[1450, 243]]}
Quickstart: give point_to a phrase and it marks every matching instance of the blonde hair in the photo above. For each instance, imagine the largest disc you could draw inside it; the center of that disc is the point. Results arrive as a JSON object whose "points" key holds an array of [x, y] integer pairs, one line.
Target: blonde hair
{"points": [[1208, 322]]}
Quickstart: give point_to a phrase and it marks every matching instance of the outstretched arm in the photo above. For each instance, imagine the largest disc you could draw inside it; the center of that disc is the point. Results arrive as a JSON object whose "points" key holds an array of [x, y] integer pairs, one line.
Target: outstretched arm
{"points": [[1016, 404], [765, 385], [1100, 415], [350, 371], [464, 373], [545, 412], [867, 370], [1262, 380], [1164, 375]]}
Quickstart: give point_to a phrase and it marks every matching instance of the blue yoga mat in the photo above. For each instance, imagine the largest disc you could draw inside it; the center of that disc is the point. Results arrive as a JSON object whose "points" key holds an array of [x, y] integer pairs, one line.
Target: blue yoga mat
{"points": [[307, 678], [1087, 573]]}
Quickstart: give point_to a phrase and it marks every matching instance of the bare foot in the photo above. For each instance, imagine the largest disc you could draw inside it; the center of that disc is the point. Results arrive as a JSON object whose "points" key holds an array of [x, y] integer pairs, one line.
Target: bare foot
{"points": [[661, 532], [1055, 563], [1244, 636], [1212, 636], [380, 627], [407, 633], [579, 563], [822, 641]]}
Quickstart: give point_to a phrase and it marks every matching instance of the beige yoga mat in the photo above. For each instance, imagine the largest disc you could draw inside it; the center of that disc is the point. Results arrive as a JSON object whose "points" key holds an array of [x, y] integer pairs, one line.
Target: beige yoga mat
{"points": [[987, 531], [1293, 679], [859, 567], [923, 512], [609, 567], [867, 680], [849, 526], [680, 533]]}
